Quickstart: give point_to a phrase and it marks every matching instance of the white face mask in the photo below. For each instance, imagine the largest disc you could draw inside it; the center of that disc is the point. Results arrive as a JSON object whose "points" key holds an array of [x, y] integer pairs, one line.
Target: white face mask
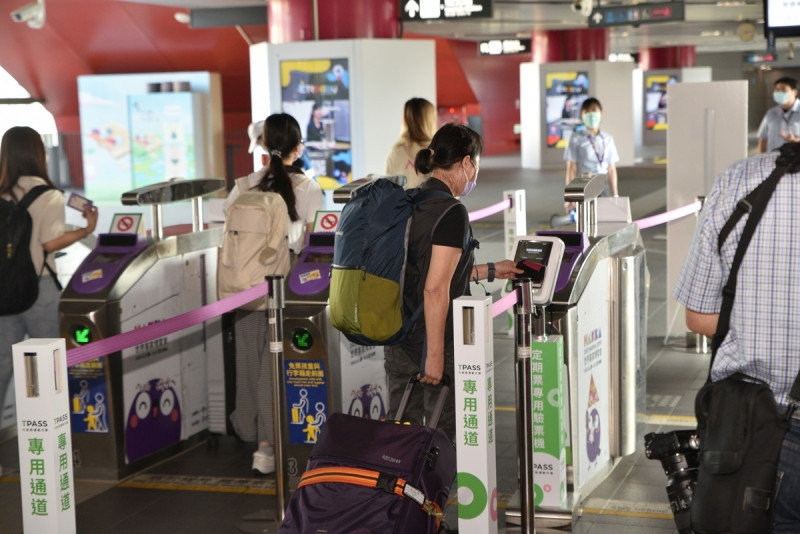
{"points": [[780, 97]]}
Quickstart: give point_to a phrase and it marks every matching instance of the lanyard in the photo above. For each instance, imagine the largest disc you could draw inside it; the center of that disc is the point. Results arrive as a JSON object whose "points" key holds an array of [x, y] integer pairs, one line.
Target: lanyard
{"points": [[601, 154], [786, 119]]}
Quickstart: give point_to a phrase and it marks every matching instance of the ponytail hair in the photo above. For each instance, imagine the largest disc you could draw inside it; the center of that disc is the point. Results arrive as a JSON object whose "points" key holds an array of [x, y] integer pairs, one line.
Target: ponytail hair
{"points": [[281, 137], [448, 147]]}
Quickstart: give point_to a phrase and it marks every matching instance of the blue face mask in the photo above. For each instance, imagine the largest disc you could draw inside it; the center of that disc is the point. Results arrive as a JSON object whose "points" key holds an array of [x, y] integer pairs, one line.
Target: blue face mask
{"points": [[781, 98], [591, 119]]}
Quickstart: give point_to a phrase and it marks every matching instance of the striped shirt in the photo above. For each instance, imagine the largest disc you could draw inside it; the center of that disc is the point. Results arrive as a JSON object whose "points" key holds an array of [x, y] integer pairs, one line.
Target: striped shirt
{"points": [[765, 320]]}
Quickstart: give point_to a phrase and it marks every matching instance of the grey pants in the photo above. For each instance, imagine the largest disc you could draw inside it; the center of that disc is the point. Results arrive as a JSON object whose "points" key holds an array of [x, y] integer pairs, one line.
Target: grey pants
{"points": [[252, 418], [40, 321], [400, 366]]}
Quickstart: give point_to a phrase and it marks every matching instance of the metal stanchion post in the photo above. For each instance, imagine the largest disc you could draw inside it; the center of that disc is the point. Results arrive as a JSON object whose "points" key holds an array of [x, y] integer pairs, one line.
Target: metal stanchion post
{"points": [[275, 305], [258, 523], [524, 310]]}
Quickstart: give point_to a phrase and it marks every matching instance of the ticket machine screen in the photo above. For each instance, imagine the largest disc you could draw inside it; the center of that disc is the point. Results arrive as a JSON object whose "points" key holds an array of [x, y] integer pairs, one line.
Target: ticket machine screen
{"points": [[532, 257]]}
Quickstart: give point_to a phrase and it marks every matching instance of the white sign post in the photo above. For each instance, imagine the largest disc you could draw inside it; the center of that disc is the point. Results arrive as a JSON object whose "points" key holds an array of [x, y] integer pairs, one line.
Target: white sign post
{"points": [[476, 440], [44, 437], [515, 224]]}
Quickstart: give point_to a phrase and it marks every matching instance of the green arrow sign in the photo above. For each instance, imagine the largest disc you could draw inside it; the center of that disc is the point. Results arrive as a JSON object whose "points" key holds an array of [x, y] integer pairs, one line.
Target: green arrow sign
{"points": [[81, 335]]}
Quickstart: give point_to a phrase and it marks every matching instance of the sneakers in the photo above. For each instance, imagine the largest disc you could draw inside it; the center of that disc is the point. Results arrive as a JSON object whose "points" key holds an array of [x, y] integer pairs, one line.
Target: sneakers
{"points": [[263, 463]]}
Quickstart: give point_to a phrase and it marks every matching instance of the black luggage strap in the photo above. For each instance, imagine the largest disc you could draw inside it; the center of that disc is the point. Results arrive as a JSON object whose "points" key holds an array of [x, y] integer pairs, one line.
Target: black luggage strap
{"points": [[754, 203], [373, 479], [26, 201]]}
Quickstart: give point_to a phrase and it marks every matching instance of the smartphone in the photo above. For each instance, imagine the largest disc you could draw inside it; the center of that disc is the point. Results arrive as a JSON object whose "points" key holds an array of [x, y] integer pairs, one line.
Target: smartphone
{"points": [[78, 202]]}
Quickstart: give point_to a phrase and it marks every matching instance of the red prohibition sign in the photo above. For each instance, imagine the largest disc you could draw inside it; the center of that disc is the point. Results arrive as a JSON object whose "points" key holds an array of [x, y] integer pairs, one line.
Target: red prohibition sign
{"points": [[329, 221], [125, 224]]}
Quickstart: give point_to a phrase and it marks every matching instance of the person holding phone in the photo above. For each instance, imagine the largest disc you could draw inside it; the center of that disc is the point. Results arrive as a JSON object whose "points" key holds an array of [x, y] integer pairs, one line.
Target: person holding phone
{"points": [[23, 166]]}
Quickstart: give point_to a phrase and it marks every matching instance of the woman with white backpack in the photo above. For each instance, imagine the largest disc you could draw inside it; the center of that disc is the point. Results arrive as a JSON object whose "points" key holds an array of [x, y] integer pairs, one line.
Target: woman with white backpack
{"points": [[252, 417]]}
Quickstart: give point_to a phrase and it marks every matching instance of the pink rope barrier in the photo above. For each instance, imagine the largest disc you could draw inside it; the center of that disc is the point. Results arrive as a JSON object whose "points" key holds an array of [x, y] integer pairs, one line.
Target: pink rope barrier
{"points": [[489, 210], [662, 218], [112, 344]]}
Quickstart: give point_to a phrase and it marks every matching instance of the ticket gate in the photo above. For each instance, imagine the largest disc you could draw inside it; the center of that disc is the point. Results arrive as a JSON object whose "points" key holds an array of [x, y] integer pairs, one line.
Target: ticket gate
{"points": [[323, 372], [599, 307], [134, 407]]}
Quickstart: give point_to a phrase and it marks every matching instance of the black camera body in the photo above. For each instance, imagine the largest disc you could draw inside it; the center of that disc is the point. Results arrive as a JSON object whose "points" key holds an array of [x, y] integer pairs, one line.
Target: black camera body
{"points": [[677, 451]]}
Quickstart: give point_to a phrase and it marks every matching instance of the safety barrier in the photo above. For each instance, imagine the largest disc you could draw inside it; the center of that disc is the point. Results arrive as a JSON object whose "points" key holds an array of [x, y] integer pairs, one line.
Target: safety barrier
{"points": [[103, 347], [116, 343]]}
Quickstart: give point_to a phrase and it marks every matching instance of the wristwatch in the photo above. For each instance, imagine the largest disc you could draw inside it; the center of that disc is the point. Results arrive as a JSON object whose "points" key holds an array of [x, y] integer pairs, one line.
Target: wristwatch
{"points": [[490, 278]]}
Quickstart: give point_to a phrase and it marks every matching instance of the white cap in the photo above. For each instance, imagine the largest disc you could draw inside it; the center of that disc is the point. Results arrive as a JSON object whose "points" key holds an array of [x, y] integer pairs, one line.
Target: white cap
{"points": [[255, 130]]}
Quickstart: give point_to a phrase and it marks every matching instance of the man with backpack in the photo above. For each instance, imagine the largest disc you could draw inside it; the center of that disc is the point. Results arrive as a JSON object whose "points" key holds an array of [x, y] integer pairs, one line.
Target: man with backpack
{"points": [[761, 342]]}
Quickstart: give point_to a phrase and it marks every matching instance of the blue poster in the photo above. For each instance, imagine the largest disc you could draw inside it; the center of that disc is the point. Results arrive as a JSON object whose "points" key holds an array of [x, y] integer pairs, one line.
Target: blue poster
{"points": [[88, 397], [306, 399]]}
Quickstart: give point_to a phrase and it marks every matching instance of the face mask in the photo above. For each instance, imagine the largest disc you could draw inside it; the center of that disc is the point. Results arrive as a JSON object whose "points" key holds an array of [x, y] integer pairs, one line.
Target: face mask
{"points": [[469, 186], [780, 98], [591, 119]]}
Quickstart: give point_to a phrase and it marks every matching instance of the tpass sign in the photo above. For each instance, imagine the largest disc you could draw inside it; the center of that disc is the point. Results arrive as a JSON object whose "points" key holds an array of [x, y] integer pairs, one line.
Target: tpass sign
{"points": [[420, 10]]}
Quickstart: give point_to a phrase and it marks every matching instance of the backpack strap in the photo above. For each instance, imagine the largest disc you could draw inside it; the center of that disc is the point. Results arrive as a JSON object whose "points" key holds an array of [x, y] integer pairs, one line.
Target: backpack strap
{"points": [[372, 479], [32, 194], [755, 203]]}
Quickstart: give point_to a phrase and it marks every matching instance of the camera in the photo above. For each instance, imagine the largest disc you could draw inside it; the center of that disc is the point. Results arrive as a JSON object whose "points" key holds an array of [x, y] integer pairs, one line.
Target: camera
{"points": [[584, 7], [32, 13], [677, 451]]}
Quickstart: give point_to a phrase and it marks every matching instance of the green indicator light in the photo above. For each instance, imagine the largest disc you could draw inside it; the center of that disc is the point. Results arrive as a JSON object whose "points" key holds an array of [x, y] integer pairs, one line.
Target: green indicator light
{"points": [[302, 339], [81, 335]]}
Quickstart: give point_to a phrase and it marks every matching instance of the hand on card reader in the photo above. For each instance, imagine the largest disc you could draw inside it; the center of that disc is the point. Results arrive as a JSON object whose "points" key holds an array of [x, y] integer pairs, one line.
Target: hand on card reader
{"points": [[539, 258]]}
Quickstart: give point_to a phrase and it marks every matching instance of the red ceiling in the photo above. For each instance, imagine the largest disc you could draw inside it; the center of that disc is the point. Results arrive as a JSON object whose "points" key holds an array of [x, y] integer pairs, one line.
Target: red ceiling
{"points": [[109, 37]]}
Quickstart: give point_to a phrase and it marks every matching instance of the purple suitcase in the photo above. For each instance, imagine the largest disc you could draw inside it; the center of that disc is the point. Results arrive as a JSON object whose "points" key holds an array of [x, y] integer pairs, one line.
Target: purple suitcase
{"points": [[382, 454]]}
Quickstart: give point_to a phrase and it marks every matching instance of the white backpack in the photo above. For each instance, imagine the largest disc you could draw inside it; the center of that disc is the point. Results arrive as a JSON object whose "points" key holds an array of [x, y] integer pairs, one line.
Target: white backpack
{"points": [[255, 244]]}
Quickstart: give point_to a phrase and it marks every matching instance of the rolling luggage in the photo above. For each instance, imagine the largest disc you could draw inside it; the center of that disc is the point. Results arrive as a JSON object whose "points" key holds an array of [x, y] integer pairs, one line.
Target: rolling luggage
{"points": [[380, 477]]}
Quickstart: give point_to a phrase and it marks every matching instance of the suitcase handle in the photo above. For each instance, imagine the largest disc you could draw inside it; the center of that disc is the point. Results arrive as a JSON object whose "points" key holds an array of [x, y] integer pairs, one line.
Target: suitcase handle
{"points": [[444, 391]]}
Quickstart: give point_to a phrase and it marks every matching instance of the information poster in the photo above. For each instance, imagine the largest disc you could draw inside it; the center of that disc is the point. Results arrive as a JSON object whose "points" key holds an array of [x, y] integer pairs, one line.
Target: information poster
{"points": [[655, 100], [316, 92], [564, 94], [89, 397], [110, 150], [306, 397], [592, 440], [162, 128]]}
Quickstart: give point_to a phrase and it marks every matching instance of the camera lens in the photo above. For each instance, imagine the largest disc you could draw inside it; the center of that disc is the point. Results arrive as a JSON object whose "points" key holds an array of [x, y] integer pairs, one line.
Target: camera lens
{"points": [[680, 488]]}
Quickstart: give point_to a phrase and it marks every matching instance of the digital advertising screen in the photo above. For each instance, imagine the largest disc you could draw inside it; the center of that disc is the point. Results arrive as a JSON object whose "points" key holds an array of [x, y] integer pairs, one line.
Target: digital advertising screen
{"points": [[655, 100], [781, 18], [316, 92], [564, 94]]}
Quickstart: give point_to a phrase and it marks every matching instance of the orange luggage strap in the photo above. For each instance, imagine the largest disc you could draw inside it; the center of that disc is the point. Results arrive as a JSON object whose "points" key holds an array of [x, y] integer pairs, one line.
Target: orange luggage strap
{"points": [[372, 479]]}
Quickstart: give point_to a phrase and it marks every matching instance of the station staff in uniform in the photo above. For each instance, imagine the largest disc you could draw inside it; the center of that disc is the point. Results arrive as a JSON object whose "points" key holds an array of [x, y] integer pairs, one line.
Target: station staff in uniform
{"points": [[781, 123], [591, 150]]}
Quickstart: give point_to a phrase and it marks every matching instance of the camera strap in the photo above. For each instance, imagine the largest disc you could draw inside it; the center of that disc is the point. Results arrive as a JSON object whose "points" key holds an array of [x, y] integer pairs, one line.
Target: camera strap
{"points": [[754, 203]]}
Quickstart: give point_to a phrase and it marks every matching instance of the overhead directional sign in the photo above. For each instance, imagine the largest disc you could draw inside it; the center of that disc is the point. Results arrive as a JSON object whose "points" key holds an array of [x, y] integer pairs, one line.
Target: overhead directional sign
{"points": [[421, 10], [496, 47], [635, 14]]}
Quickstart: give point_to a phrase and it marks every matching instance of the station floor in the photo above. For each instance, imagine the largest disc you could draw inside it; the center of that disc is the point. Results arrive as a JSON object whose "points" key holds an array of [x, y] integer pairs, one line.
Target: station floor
{"points": [[209, 488]]}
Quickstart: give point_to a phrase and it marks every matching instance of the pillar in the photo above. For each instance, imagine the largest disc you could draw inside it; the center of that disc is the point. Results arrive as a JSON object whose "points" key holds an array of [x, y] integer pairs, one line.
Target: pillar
{"points": [[294, 20], [551, 46], [669, 57]]}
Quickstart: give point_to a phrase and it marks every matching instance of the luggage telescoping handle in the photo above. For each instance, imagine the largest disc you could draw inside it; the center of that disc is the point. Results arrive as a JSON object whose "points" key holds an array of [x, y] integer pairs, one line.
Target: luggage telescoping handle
{"points": [[437, 410]]}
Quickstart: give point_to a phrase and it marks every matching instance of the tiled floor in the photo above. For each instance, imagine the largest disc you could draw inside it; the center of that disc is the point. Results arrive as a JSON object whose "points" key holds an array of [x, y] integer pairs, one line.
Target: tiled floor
{"points": [[209, 488]]}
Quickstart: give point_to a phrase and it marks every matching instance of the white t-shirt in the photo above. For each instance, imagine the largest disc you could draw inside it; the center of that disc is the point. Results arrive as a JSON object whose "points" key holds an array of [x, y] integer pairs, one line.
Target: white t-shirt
{"points": [[47, 214], [307, 202], [401, 161]]}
